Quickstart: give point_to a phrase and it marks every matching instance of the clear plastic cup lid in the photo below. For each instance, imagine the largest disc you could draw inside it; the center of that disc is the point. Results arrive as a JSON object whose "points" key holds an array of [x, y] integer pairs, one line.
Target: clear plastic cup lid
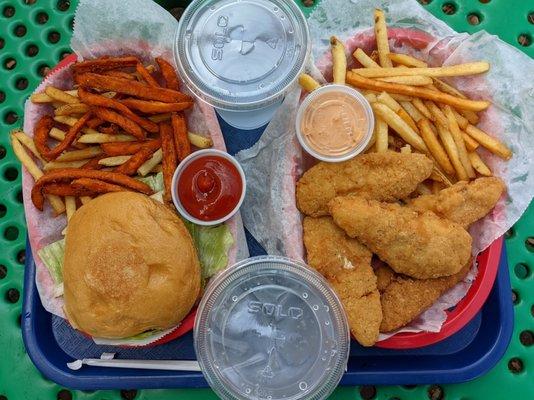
{"points": [[271, 328], [241, 54]]}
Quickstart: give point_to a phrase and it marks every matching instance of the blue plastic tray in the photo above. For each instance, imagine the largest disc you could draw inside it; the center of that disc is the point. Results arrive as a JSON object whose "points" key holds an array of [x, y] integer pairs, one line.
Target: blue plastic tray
{"points": [[51, 343]]}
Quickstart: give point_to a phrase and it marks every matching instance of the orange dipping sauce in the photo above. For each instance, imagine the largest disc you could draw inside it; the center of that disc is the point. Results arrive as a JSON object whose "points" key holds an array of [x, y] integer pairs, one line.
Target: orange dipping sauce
{"points": [[209, 188]]}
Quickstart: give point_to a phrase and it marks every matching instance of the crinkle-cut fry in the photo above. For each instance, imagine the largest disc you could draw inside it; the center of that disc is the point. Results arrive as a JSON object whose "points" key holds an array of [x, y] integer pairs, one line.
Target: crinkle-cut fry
{"points": [[169, 74], [307, 83], [59, 95], [416, 80], [420, 106], [434, 147], [101, 101], [70, 206], [452, 151], [381, 34], [55, 201], [407, 60], [169, 162], [181, 139], [49, 166], [131, 166], [496, 147], [68, 175], [104, 64], [459, 141], [398, 125], [113, 161], [97, 185], [412, 111], [365, 83], [119, 74], [364, 59], [129, 148], [145, 75], [470, 143], [27, 142], [450, 70], [381, 131], [115, 118], [155, 107], [132, 88], [479, 165], [202, 142], [97, 138], [65, 189], [72, 108], [339, 60], [151, 163]]}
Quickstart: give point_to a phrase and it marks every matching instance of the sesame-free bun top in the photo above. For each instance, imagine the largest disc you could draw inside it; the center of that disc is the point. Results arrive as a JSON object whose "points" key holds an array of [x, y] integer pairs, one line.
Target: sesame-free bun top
{"points": [[130, 266]]}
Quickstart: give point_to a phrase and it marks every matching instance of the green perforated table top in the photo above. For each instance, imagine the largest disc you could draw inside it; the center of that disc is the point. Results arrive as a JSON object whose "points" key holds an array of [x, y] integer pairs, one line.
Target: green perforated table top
{"points": [[35, 35]]}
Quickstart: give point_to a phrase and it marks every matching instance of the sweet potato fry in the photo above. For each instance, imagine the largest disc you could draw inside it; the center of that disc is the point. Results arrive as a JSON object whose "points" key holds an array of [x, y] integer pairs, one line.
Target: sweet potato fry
{"points": [[65, 189], [128, 148], [135, 161], [68, 175], [131, 88], [169, 74], [104, 64], [101, 101], [181, 140], [40, 135], [169, 162], [119, 74], [93, 163], [459, 103], [149, 79], [94, 122], [111, 129], [155, 107], [96, 186], [127, 124]]}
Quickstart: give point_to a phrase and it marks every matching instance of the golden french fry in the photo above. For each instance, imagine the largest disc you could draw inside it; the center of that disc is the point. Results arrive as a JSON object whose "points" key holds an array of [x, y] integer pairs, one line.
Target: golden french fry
{"points": [[72, 108], [364, 83], [56, 133], [381, 34], [399, 126], [381, 131], [94, 138], [70, 121], [418, 103], [407, 149], [423, 189], [471, 116], [85, 199], [70, 206], [339, 60], [452, 70], [398, 97], [412, 111], [386, 99], [416, 80], [60, 95], [437, 115], [202, 142], [450, 147], [443, 178], [35, 172], [44, 98], [459, 141], [406, 117], [151, 163], [157, 118], [462, 121], [370, 97], [308, 83], [364, 59], [478, 164], [434, 147], [60, 165], [28, 143], [406, 60], [82, 154], [446, 88], [113, 161], [470, 143], [490, 143]]}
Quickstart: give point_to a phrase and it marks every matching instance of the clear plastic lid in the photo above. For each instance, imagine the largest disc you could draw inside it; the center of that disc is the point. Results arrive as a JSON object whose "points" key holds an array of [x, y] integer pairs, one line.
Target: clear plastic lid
{"points": [[271, 328], [241, 54]]}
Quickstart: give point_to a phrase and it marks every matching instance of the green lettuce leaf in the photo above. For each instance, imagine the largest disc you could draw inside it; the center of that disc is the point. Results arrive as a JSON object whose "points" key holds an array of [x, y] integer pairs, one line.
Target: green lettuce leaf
{"points": [[212, 243], [52, 257], [154, 181]]}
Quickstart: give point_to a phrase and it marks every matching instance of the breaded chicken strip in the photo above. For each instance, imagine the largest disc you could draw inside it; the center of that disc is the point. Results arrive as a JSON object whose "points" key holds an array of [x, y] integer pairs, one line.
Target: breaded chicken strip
{"points": [[346, 264], [404, 298], [417, 244], [463, 203], [385, 176]]}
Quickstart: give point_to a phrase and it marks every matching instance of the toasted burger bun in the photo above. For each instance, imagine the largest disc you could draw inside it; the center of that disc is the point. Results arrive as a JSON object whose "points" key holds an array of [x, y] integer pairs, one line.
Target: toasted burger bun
{"points": [[130, 266]]}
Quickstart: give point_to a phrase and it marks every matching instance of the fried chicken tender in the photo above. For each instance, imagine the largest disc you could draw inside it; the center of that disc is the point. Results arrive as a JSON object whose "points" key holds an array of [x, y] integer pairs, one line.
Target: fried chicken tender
{"points": [[404, 298], [417, 244], [346, 264], [385, 176], [463, 203]]}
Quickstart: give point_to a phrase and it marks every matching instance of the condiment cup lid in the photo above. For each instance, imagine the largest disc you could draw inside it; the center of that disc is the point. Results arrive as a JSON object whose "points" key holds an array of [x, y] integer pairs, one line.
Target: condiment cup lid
{"points": [[241, 54], [271, 328], [359, 98], [176, 177]]}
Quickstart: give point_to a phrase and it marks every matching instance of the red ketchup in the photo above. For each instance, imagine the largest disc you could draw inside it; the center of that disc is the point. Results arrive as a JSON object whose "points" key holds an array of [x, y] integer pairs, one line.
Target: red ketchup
{"points": [[210, 187]]}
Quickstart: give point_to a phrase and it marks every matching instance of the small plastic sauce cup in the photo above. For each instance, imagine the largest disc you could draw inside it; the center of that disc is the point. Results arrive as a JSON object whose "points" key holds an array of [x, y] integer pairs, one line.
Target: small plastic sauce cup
{"points": [[334, 123]]}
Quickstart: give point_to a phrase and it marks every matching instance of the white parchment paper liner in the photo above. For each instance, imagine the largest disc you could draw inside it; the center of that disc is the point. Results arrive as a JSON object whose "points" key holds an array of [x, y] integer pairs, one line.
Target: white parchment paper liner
{"points": [[274, 164]]}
